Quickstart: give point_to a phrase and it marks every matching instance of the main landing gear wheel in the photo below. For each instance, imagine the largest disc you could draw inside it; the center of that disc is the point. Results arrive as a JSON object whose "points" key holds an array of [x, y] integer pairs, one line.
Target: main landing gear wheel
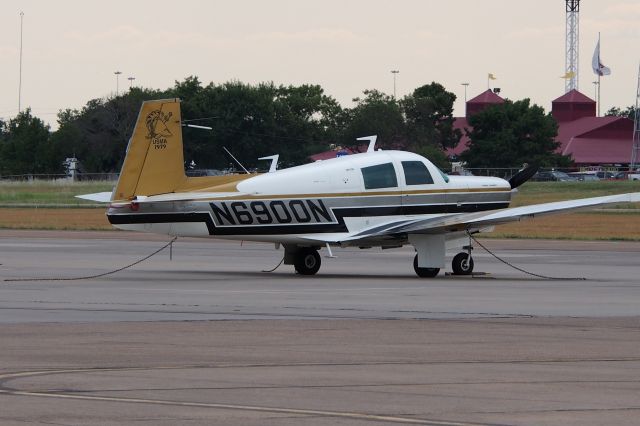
{"points": [[307, 261], [462, 264], [424, 272]]}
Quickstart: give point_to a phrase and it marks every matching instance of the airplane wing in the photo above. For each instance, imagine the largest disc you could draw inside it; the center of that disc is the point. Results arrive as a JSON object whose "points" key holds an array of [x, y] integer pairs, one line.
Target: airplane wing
{"points": [[474, 221]]}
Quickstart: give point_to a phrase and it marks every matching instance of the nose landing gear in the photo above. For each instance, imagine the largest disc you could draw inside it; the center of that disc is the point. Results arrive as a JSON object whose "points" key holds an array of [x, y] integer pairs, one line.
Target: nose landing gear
{"points": [[462, 263]]}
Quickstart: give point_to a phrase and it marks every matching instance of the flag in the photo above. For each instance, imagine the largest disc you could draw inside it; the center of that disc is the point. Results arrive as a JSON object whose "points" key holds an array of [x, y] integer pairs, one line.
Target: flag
{"points": [[491, 76], [596, 63], [568, 75]]}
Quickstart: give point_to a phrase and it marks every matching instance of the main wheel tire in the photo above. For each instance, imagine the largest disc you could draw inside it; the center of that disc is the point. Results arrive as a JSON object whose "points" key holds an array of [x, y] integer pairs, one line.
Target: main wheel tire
{"points": [[307, 261], [462, 264], [424, 272]]}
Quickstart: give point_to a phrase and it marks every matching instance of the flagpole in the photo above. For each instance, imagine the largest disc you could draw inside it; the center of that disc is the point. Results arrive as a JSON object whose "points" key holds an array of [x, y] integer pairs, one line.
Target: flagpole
{"points": [[598, 95], [599, 75]]}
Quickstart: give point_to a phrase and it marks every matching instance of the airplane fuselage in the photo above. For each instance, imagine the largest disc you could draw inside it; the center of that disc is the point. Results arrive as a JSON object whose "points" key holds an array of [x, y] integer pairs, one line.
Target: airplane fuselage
{"points": [[375, 199], [341, 195]]}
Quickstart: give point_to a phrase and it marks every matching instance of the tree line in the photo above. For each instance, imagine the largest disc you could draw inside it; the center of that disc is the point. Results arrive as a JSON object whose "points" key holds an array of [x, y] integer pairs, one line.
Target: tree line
{"points": [[294, 121]]}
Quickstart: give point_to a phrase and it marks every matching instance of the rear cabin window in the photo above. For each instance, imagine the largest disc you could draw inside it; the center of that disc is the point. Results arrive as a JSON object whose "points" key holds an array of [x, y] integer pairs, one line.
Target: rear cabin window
{"points": [[416, 173], [380, 176]]}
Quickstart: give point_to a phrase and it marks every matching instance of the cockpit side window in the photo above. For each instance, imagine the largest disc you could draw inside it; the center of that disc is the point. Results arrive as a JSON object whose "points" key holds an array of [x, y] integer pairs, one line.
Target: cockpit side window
{"points": [[416, 173], [380, 176]]}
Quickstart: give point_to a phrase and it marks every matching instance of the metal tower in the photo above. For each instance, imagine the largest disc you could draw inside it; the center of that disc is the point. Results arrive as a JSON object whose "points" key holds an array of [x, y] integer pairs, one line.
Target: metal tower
{"points": [[572, 45], [635, 151]]}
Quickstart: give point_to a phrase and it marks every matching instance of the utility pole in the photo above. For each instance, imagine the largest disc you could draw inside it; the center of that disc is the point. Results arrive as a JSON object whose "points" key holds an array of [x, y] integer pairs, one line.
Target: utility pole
{"points": [[20, 77], [395, 73]]}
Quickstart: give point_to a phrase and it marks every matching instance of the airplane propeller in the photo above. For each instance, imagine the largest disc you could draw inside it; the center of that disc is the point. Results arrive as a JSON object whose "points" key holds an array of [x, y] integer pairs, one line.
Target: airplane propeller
{"points": [[523, 175]]}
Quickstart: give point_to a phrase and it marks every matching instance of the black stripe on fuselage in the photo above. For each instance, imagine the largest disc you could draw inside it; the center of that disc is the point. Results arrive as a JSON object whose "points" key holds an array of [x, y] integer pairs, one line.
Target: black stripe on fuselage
{"points": [[313, 228]]}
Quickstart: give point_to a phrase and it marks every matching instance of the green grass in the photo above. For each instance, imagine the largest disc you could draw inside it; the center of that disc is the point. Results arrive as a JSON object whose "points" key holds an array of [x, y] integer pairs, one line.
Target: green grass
{"points": [[61, 193], [545, 192], [50, 205], [42, 193]]}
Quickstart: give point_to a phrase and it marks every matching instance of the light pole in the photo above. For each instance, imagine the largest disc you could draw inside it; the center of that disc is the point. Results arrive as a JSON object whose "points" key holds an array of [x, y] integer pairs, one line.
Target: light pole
{"points": [[395, 73], [465, 91], [465, 97], [20, 77], [117, 73], [130, 81]]}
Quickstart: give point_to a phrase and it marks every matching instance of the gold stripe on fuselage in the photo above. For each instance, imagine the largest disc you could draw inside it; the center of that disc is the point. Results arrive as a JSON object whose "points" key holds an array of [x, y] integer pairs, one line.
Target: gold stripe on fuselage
{"points": [[335, 195], [367, 194]]}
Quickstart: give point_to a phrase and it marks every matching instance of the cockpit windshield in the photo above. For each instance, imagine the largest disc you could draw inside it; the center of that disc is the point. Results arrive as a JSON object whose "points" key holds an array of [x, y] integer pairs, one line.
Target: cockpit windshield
{"points": [[444, 175]]}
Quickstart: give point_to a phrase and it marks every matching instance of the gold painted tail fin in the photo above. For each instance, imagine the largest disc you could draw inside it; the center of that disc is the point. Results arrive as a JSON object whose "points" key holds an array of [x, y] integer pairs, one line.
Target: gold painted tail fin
{"points": [[154, 163]]}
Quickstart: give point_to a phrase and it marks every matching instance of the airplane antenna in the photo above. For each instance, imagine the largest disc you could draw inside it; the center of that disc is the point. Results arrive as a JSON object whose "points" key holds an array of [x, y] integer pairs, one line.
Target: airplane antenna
{"points": [[235, 159], [372, 142], [184, 123], [196, 126], [274, 162]]}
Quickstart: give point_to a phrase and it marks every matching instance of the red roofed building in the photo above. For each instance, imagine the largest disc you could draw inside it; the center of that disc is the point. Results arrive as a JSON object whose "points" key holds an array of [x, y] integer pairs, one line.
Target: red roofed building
{"points": [[571, 106], [482, 101], [590, 140], [475, 105], [337, 152]]}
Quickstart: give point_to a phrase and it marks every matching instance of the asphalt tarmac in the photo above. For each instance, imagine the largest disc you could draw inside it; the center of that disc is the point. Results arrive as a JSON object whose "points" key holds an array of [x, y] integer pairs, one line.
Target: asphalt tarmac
{"points": [[207, 338]]}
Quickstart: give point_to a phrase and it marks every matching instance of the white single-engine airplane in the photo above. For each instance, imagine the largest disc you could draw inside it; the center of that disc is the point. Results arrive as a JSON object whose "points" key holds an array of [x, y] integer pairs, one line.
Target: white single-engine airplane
{"points": [[375, 199]]}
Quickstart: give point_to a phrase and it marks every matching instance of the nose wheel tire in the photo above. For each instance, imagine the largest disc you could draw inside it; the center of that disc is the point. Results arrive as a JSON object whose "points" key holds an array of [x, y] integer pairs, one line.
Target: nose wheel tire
{"points": [[307, 261], [462, 264], [424, 272]]}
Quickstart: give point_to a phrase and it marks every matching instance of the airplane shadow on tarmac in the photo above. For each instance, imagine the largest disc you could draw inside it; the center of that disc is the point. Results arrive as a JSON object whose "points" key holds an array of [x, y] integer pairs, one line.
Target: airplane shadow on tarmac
{"points": [[210, 275]]}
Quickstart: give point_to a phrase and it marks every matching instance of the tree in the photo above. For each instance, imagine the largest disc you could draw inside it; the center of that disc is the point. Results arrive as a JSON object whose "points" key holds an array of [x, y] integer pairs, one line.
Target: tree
{"points": [[513, 133], [98, 134], [256, 121], [375, 114], [25, 146], [429, 117], [629, 112]]}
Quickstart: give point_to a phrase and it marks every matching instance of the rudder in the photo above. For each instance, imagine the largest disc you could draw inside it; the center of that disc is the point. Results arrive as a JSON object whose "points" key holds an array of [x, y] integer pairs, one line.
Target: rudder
{"points": [[154, 162]]}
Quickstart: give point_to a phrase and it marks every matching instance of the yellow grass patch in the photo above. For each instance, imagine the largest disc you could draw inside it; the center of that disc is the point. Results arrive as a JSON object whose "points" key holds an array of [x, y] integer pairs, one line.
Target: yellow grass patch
{"points": [[80, 219], [587, 226], [583, 226]]}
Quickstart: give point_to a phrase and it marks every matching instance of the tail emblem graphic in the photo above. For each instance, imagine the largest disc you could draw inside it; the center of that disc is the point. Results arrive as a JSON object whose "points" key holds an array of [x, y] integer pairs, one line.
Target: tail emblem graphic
{"points": [[158, 131]]}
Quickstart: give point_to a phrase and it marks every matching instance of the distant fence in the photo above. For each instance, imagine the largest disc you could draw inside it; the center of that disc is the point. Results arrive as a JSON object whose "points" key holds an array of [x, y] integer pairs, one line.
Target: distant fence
{"points": [[80, 177], [502, 172], [506, 172]]}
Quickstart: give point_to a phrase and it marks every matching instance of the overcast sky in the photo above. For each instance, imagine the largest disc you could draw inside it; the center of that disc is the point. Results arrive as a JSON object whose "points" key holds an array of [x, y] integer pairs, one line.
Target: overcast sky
{"points": [[72, 48]]}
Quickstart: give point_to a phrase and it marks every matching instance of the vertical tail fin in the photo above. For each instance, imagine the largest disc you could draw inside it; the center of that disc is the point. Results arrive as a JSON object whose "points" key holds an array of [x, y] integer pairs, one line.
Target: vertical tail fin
{"points": [[154, 163]]}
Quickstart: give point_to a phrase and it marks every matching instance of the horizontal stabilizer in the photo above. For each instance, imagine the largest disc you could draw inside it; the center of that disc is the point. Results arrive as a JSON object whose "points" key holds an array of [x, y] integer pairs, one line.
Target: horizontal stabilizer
{"points": [[100, 197]]}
